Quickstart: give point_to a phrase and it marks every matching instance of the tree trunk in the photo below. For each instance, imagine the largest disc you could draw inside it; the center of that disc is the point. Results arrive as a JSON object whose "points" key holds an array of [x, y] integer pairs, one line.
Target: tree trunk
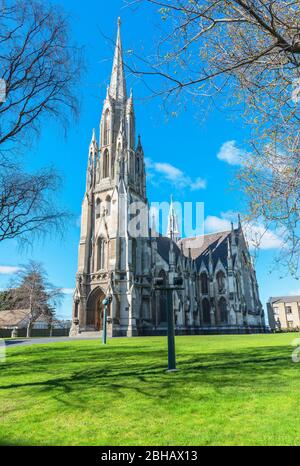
{"points": [[28, 334]]}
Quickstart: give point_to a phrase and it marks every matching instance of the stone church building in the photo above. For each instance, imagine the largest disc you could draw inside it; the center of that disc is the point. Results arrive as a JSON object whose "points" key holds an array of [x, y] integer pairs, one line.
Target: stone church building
{"points": [[220, 288]]}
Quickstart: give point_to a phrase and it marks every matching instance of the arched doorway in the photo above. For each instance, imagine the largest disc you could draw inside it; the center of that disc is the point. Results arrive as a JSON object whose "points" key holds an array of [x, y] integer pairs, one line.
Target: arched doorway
{"points": [[94, 310]]}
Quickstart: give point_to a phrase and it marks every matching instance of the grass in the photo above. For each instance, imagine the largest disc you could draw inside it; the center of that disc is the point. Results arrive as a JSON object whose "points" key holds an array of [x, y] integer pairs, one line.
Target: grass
{"points": [[230, 390]]}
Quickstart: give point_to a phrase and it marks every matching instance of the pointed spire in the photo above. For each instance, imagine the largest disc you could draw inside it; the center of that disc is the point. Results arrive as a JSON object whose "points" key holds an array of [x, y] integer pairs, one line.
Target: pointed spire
{"points": [[173, 231], [94, 136], [117, 88], [153, 227], [239, 222], [139, 144]]}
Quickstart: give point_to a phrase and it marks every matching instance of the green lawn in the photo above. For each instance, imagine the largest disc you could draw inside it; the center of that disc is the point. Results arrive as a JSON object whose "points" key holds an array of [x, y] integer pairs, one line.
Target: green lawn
{"points": [[230, 390]]}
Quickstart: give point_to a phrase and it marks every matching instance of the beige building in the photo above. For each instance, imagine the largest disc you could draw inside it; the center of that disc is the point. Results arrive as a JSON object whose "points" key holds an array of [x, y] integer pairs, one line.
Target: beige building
{"points": [[220, 292], [284, 312]]}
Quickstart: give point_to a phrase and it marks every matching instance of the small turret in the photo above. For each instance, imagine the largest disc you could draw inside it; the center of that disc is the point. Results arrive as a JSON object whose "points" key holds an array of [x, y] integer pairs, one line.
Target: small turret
{"points": [[173, 230]]}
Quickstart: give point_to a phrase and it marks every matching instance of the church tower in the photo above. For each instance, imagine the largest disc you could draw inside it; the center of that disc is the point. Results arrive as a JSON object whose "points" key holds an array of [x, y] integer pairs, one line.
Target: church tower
{"points": [[111, 260]]}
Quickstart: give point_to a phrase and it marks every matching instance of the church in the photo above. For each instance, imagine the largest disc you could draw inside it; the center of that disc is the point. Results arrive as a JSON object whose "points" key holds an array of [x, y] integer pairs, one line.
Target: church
{"points": [[220, 291]]}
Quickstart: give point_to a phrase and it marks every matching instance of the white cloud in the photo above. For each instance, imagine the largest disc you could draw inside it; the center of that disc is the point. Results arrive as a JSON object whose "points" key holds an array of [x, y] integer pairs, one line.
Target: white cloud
{"points": [[8, 269], [199, 183], [255, 233], [213, 224], [173, 175], [68, 290], [231, 154]]}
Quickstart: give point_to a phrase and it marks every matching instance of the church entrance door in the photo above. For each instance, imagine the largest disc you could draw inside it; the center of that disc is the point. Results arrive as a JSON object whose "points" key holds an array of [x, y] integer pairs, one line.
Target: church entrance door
{"points": [[94, 317]]}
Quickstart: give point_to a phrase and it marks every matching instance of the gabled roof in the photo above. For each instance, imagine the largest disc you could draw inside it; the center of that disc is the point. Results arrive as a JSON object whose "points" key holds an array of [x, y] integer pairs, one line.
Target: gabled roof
{"points": [[14, 317], [18, 317], [201, 246]]}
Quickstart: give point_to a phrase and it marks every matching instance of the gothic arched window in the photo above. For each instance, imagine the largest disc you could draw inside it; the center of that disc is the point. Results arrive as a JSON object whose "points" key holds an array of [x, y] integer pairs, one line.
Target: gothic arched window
{"points": [[108, 205], [221, 281], [222, 305], [100, 253], [206, 311], [106, 129], [162, 311], [204, 283], [137, 166], [105, 164], [113, 161], [98, 208]]}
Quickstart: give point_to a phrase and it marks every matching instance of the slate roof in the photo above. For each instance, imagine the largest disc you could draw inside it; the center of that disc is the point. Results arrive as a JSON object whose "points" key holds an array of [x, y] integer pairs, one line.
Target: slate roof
{"points": [[163, 247], [200, 248], [284, 299], [202, 245]]}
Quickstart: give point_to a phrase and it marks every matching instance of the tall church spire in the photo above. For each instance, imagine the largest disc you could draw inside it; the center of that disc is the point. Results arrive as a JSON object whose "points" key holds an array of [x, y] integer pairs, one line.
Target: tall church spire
{"points": [[173, 231], [117, 88]]}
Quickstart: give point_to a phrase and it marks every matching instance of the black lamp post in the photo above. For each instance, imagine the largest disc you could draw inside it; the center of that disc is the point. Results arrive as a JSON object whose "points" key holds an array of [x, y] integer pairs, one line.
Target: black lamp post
{"points": [[177, 285], [105, 302]]}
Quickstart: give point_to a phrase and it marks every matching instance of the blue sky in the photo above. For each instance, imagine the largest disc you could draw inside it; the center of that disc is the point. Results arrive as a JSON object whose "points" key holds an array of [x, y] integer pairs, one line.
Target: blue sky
{"points": [[190, 158]]}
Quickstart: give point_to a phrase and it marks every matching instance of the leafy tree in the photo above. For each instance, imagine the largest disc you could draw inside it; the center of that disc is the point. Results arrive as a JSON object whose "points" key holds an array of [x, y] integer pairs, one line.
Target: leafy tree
{"points": [[6, 302], [31, 290], [248, 51]]}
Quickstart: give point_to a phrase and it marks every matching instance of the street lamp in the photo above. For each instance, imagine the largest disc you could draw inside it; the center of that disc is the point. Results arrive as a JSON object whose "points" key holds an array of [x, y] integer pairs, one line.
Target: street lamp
{"points": [[106, 301], [176, 285]]}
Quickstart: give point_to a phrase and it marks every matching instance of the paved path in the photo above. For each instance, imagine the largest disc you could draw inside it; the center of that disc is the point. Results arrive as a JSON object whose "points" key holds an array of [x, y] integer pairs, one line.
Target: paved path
{"points": [[36, 341]]}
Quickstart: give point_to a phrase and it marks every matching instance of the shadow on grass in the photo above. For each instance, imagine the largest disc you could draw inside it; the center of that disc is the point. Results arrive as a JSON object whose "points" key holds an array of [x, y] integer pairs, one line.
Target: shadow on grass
{"points": [[120, 370]]}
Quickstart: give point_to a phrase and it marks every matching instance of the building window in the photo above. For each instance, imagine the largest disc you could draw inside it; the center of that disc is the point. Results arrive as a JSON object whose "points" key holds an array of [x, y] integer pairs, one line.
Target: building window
{"points": [[276, 311], [221, 281], [206, 311], [288, 310], [204, 283], [100, 253], [105, 164], [98, 208], [106, 128], [113, 161], [222, 305]]}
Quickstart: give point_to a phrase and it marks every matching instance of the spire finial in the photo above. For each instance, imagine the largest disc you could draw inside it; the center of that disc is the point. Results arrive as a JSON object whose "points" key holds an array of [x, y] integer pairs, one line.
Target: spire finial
{"points": [[117, 88], [173, 230]]}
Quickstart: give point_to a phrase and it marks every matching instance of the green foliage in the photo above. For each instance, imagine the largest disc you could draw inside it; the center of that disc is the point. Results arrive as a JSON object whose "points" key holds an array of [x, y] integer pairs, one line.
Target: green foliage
{"points": [[230, 390], [6, 302]]}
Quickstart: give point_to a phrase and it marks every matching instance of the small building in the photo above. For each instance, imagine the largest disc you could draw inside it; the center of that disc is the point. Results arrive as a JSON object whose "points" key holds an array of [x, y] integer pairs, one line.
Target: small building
{"points": [[284, 312], [14, 323]]}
